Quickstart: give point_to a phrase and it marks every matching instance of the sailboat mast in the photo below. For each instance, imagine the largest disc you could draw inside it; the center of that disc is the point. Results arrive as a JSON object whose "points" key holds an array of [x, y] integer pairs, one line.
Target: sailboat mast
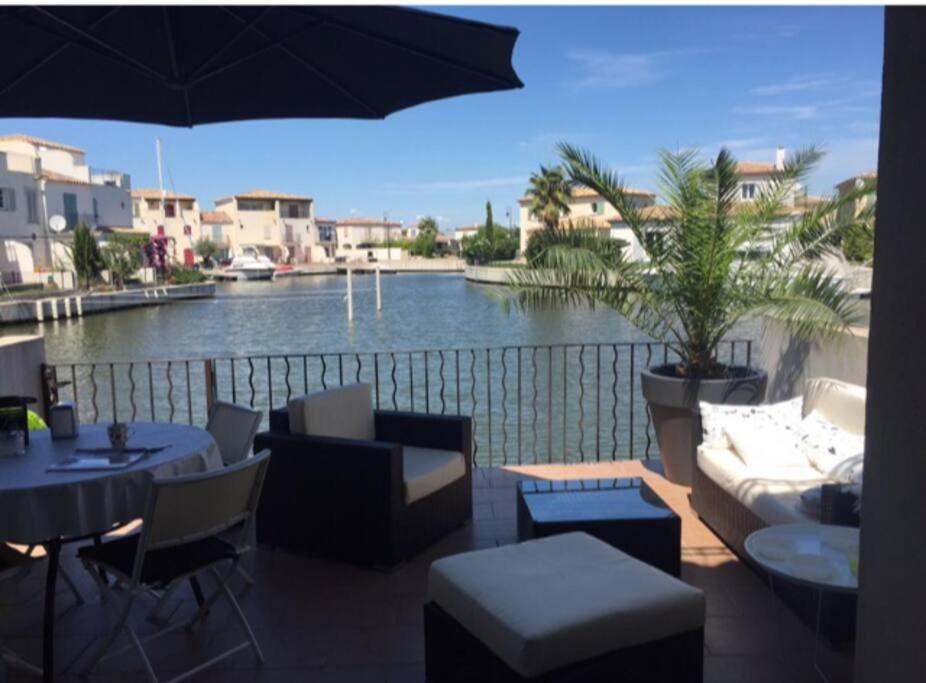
{"points": [[157, 146]]}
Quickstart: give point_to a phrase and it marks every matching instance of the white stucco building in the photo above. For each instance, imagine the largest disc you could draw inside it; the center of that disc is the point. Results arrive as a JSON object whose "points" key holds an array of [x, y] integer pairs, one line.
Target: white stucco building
{"points": [[172, 215], [281, 226], [586, 208], [359, 239], [40, 179]]}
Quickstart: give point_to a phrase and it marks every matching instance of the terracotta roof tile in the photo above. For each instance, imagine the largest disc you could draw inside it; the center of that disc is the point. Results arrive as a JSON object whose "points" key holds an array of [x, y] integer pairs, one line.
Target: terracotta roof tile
{"points": [[214, 217], [40, 142], [271, 194], [154, 193], [368, 222], [585, 192], [53, 177], [754, 168]]}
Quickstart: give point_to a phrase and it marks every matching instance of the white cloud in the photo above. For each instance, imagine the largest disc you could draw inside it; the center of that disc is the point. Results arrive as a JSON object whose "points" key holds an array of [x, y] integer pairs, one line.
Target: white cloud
{"points": [[799, 112], [740, 143], [795, 84], [476, 184], [602, 69]]}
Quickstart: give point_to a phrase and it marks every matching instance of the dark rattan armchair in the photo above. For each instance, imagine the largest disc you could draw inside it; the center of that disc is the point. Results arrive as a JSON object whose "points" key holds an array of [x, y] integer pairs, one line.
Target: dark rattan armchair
{"points": [[375, 500]]}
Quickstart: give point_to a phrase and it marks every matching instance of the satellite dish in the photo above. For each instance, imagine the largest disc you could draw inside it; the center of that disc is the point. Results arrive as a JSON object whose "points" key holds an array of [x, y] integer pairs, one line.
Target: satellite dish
{"points": [[57, 223]]}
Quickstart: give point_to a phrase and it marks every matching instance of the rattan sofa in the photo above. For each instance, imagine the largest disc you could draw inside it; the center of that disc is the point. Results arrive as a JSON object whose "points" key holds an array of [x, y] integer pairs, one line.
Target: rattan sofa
{"points": [[734, 512], [356, 499]]}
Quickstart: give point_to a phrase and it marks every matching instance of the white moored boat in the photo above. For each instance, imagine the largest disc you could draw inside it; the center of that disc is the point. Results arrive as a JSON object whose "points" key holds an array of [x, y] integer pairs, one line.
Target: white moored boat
{"points": [[250, 264]]}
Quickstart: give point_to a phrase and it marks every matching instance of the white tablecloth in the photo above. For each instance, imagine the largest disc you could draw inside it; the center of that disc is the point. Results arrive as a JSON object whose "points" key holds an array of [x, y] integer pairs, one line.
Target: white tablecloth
{"points": [[36, 505]]}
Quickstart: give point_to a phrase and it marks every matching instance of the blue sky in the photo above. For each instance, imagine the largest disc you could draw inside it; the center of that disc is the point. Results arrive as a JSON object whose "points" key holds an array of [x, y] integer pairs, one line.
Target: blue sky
{"points": [[621, 81]]}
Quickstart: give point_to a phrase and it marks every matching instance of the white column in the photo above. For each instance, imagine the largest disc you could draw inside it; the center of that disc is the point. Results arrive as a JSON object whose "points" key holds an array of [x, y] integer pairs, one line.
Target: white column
{"points": [[67, 307], [379, 296], [79, 300], [39, 310], [54, 308]]}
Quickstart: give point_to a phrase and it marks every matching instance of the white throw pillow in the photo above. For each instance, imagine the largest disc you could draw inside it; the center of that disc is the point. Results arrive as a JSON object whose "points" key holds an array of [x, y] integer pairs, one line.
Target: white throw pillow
{"points": [[828, 448], [765, 445], [715, 418]]}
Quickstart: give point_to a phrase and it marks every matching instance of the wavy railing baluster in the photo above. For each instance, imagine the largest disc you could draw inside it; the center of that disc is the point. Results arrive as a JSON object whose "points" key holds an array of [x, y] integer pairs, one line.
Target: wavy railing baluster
{"points": [[550, 404], [251, 379], [170, 393], [189, 395], [305, 373], [359, 365], [151, 389], [112, 390], [341, 369], [457, 363], [376, 377], [582, 403], [324, 372], [518, 404], [234, 384], [614, 373], [132, 390], [504, 406], [395, 384], [534, 402], [74, 391], [427, 385], [649, 417], [598, 402], [289, 389], [270, 382], [440, 372], [472, 396], [489, 401], [96, 409], [411, 382]]}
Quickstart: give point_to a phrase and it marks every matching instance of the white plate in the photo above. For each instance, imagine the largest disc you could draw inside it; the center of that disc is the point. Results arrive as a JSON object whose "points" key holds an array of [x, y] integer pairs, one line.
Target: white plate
{"points": [[774, 548], [812, 567]]}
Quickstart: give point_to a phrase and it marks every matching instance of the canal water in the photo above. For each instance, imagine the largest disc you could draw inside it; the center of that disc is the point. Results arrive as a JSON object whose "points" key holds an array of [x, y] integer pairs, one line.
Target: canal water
{"points": [[542, 385]]}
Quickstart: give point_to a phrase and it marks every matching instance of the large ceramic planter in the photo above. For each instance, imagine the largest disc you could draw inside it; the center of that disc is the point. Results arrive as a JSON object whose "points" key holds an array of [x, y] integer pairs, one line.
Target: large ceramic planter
{"points": [[673, 404]]}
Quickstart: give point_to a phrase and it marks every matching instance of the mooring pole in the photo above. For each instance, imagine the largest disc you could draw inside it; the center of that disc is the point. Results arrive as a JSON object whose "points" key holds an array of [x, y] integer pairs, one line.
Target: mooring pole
{"points": [[379, 295], [350, 297]]}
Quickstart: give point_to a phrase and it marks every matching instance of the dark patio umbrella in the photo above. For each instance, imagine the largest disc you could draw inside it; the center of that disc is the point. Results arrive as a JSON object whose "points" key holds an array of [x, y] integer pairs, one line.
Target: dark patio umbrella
{"points": [[183, 66]]}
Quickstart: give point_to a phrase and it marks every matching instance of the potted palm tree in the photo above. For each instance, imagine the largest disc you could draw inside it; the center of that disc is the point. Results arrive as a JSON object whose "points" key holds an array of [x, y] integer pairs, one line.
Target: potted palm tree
{"points": [[711, 261]]}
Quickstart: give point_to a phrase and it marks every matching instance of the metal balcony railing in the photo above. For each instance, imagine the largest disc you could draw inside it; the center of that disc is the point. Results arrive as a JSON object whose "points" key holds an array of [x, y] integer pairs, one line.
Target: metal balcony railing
{"points": [[530, 404]]}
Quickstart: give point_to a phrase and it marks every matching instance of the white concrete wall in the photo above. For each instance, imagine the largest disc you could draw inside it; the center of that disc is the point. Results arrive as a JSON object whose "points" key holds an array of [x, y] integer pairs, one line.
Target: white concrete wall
{"points": [[21, 358]]}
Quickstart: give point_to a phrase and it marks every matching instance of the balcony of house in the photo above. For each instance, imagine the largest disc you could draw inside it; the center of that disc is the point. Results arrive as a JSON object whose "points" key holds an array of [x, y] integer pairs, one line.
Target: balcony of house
{"points": [[545, 415], [101, 176]]}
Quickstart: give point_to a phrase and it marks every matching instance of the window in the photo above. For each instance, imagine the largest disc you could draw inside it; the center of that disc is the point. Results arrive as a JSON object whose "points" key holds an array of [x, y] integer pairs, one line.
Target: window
{"points": [[217, 234], [170, 210], [187, 230], [7, 199], [186, 205], [749, 191], [153, 204], [598, 207], [32, 207], [136, 209], [254, 206]]}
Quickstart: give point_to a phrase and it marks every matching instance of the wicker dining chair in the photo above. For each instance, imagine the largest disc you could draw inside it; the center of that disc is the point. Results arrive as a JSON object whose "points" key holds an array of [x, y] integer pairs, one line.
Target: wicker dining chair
{"points": [[180, 538]]}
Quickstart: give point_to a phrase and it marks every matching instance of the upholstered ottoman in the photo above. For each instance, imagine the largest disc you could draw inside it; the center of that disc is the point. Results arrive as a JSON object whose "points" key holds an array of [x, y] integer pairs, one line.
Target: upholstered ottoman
{"points": [[561, 608]]}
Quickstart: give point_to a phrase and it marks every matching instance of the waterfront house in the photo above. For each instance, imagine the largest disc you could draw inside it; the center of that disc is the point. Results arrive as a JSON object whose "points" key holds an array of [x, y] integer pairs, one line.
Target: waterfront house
{"points": [[586, 208], [361, 239], [40, 179], [172, 215], [217, 227], [327, 236], [281, 226], [853, 209], [465, 231]]}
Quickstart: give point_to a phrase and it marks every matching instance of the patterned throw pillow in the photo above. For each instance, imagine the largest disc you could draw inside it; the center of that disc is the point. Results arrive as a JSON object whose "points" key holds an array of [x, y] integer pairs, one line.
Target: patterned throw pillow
{"points": [[715, 417], [830, 450]]}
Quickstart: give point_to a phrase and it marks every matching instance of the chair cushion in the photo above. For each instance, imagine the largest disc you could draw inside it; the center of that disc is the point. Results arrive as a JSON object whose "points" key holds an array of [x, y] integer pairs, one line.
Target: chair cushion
{"points": [[426, 470], [838, 402], [716, 417], [766, 446], [548, 603], [345, 412], [161, 566], [771, 493]]}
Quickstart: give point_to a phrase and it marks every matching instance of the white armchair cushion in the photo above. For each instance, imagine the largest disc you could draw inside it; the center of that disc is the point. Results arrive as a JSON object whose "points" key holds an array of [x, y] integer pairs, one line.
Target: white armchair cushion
{"points": [[826, 446], [345, 412], [716, 417], [766, 445], [426, 470]]}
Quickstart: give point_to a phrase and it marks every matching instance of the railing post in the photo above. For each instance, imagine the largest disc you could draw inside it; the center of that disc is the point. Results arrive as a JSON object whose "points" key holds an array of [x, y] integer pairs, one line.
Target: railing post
{"points": [[209, 375]]}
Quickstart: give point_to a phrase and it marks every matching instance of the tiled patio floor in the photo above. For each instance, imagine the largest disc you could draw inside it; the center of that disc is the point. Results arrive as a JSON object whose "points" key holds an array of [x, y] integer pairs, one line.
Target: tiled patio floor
{"points": [[324, 621]]}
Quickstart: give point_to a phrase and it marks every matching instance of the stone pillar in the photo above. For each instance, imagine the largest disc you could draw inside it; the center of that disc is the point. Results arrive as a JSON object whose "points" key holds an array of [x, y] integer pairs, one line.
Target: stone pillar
{"points": [[891, 642]]}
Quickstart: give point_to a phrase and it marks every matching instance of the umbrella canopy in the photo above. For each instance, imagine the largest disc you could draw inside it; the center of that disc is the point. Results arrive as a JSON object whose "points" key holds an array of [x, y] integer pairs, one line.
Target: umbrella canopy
{"points": [[183, 66]]}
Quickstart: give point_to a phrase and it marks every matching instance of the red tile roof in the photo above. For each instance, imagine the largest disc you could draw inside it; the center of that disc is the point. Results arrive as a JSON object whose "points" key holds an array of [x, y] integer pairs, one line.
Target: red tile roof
{"points": [[214, 217], [154, 193], [755, 168], [40, 142]]}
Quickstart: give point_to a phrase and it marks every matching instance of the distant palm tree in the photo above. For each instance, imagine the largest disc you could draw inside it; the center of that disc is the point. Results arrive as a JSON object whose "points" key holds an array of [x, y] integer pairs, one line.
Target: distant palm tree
{"points": [[549, 193], [711, 261]]}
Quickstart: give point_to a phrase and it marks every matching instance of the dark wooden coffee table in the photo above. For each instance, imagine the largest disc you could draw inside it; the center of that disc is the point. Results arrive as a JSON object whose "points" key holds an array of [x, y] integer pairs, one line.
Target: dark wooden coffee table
{"points": [[623, 512]]}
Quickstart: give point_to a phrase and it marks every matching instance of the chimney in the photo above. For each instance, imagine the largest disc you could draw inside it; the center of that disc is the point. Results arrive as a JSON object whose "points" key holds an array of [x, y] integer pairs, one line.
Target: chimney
{"points": [[780, 158]]}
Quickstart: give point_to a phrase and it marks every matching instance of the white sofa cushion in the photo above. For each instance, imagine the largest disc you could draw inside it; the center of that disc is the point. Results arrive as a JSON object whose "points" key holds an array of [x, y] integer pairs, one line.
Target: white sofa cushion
{"points": [[426, 470], [345, 412], [837, 402], [544, 604], [763, 445], [827, 446], [773, 494], [716, 417]]}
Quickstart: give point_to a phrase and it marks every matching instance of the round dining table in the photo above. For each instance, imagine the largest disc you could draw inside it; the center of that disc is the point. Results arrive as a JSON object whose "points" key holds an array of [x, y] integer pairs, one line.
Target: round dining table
{"points": [[43, 504]]}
